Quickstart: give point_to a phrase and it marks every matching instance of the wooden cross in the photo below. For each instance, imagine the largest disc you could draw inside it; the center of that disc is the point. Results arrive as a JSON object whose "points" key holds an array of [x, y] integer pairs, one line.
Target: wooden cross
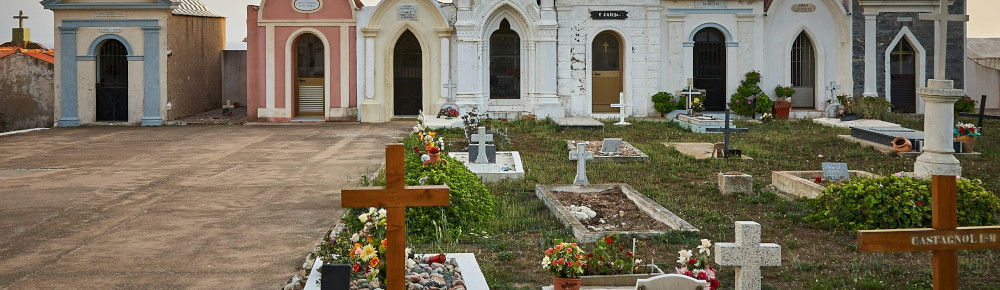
{"points": [[606, 47], [748, 255], [581, 156], [982, 114], [621, 109], [725, 131], [690, 92], [481, 138], [20, 18], [941, 47], [944, 239], [395, 196]]}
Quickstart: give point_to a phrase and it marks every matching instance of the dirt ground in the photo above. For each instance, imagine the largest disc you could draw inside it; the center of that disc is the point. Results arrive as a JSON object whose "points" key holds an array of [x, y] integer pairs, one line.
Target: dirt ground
{"points": [[206, 207]]}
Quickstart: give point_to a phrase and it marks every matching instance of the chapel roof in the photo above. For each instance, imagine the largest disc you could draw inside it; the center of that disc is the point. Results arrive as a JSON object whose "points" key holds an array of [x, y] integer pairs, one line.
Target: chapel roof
{"points": [[46, 55], [984, 51], [192, 8]]}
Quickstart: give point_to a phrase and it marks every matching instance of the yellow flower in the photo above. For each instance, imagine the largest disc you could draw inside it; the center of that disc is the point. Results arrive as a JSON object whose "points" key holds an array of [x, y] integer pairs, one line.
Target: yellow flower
{"points": [[367, 253]]}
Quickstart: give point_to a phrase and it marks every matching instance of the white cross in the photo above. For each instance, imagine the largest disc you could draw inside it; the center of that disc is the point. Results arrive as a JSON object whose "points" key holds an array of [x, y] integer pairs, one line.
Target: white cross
{"points": [[581, 156], [450, 86], [940, 48], [621, 109], [748, 255], [482, 138], [228, 105], [689, 92]]}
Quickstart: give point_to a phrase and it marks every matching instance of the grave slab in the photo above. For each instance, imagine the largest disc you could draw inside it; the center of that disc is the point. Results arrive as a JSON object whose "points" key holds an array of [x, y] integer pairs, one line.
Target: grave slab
{"points": [[433, 122], [887, 149], [698, 150], [882, 135], [701, 123], [507, 166], [579, 123], [656, 212], [472, 275], [803, 184], [836, 122], [628, 152]]}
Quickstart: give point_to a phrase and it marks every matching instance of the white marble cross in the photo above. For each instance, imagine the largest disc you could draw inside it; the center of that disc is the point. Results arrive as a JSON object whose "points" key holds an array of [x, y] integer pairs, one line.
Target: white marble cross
{"points": [[621, 109], [690, 92], [228, 105], [941, 46], [833, 87], [581, 156], [482, 138], [450, 86], [748, 255]]}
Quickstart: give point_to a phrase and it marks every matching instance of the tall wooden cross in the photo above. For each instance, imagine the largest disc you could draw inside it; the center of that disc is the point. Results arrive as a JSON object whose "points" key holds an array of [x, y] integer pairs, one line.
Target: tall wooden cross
{"points": [[725, 131], [20, 18], [944, 239], [581, 156], [941, 47], [690, 92], [621, 109], [395, 196]]}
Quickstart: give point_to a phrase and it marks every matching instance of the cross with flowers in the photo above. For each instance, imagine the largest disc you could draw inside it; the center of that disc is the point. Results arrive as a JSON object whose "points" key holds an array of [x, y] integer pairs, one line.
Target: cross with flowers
{"points": [[395, 196]]}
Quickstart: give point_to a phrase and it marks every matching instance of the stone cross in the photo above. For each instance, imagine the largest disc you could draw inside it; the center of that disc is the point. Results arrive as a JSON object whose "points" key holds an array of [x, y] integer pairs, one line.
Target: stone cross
{"points": [[748, 255], [581, 156], [725, 131], [944, 239], [228, 105], [450, 86], [834, 101], [395, 196], [20, 18], [940, 48], [482, 138], [621, 109], [690, 92]]}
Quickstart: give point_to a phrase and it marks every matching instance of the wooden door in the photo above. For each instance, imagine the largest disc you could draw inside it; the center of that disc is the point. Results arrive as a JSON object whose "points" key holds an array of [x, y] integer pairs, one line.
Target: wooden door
{"points": [[407, 76], [710, 67], [112, 82], [309, 76], [903, 78], [607, 70]]}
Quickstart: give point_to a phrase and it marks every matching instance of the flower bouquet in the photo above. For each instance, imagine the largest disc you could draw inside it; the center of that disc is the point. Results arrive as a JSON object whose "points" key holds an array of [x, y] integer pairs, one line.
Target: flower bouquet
{"points": [[448, 113], [966, 134], [697, 266], [565, 261], [611, 257]]}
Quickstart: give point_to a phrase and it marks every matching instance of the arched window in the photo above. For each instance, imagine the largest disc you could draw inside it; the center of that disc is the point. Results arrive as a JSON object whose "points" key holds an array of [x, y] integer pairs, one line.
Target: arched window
{"points": [[505, 63], [803, 71], [902, 70]]}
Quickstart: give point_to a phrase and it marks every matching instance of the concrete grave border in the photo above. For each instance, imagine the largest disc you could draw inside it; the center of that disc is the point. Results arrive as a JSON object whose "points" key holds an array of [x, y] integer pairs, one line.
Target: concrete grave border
{"points": [[492, 172], [797, 183], [620, 159]]}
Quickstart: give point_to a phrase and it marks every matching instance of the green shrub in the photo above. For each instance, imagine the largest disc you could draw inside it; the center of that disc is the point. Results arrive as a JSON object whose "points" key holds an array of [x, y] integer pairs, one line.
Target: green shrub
{"points": [[749, 98], [872, 107], [664, 102], [897, 202], [965, 105]]}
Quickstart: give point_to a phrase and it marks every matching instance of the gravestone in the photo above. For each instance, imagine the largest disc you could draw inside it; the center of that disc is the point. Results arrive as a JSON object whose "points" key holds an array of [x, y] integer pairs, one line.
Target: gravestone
{"points": [[836, 171], [336, 276], [621, 109], [611, 145], [670, 281], [748, 255], [491, 153], [581, 156], [481, 138]]}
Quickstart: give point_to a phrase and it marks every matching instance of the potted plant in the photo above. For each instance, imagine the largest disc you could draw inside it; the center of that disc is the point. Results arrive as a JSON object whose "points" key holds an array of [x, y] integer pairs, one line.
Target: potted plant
{"points": [[782, 105], [846, 111], [612, 262], [697, 266], [664, 103], [565, 262], [749, 99], [966, 133]]}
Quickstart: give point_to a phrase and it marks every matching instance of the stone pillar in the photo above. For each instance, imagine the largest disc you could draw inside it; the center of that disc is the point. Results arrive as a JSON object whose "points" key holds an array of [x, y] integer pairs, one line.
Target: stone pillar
{"points": [[445, 35], [545, 74], [937, 159], [871, 90], [370, 108]]}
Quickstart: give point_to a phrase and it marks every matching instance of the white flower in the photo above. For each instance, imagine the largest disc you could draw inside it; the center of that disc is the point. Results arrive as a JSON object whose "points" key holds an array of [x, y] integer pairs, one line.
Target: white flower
{"points": [[371, 210], [545, 262], [381, 212], [363, 217], [355, 238], [705, 247], [685, 255]]}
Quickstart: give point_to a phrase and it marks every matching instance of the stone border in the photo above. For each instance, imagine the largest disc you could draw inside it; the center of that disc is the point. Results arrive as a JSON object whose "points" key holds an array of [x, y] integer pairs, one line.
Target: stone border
{"points": [[621, 159], [793, 184], [493, 172], [584, 235], [472, 275]]}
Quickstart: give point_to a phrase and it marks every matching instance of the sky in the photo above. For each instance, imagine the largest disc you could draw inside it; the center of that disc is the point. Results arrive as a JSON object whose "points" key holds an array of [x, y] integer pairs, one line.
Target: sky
{"points": [[982, 22]]}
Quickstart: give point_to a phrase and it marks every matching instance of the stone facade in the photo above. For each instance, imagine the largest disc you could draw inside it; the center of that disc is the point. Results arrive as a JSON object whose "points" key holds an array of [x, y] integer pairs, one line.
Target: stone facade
{"points": [[25, 91]]}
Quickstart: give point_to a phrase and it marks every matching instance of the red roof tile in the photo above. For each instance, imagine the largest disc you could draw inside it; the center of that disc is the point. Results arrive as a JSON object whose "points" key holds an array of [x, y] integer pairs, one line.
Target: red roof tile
{"points": [[46, 55]]}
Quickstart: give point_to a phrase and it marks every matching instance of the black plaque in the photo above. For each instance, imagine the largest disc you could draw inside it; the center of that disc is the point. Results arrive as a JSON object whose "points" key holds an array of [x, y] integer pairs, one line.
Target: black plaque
{"points": [[605, 15]]}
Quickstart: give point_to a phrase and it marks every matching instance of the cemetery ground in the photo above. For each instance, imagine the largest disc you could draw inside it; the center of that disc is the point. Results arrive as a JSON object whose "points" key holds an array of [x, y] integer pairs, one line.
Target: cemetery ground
{"points": [[813, 256], [174, 207]]}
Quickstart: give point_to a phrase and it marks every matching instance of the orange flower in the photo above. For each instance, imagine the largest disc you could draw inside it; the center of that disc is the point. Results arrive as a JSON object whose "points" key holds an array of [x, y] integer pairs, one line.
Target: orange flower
{"points": [[357, 246], [373, 262], [384, 243]]}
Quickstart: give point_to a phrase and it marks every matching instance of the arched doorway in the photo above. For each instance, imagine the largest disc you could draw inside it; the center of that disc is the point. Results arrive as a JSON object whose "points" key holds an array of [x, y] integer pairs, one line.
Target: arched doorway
{"points": [[309, 76], [902, 70], [505, 63], [710, 67], [406, 74], [112, 82], [803, 72], [607, 66]]}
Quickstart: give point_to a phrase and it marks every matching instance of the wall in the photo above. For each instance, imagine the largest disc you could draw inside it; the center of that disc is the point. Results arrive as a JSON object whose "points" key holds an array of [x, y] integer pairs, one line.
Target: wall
{"points": [[234, 76], [194, 66], [983, 80], [26, 93]]}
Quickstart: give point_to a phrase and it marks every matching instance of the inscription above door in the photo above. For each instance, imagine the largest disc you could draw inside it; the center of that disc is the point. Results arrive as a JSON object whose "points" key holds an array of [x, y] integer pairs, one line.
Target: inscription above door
{"points": [[307, 5]]}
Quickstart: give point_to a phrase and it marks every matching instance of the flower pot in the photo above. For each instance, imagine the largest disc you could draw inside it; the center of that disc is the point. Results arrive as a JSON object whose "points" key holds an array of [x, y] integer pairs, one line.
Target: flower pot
{"points": [[781, 110], [968, 143], [432, 158], [901, 144], [566, 283], [846, 118]]}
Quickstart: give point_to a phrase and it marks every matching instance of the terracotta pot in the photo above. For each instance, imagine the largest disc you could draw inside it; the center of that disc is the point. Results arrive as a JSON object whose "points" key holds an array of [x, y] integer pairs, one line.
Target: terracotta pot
{"points": [[781, 110], [566, 283], [435, 157], [901, 144], [968, 143]]}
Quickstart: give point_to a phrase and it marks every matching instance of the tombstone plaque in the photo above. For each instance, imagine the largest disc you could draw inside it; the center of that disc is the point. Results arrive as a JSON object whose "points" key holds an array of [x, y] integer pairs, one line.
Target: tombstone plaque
{"points": [[804, 7], [836, 171], [306, 5], [711, 4], [407, 11], [611, 145]]}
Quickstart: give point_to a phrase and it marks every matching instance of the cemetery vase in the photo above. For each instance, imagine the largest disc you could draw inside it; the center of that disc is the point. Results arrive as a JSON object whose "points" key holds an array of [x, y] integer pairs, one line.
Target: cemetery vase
{"points": [[781, 110], [435, 157], [968, 143], [901, 144], [566, 283]]}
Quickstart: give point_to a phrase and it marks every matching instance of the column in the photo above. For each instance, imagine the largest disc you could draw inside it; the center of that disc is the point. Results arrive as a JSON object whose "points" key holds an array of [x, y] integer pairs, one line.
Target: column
{"points": [[676, 51], [939, 97], [151, 77], [67, 77], [871, 90], [370, 109], [544, 59], [445, 35]]}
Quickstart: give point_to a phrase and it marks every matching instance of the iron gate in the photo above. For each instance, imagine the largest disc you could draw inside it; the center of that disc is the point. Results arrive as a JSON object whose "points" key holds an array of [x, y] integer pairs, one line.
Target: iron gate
{"points": [[112, 85], [406, 73], [505, 63], [710, 67]]}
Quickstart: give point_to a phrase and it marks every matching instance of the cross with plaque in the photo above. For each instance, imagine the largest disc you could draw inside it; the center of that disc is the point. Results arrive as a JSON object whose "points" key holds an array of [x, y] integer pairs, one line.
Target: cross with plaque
{"points": [[621, 109], [944, 239], [725, 131], [395, 196], [690, 92]]}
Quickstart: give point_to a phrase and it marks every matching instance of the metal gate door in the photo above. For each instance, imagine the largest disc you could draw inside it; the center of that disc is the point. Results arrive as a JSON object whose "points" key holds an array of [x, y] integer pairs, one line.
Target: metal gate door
{"points": [[310, 73], [607, 72], [112, 82], [803, 72], [710, 67], [406, 75], [505, 63]]}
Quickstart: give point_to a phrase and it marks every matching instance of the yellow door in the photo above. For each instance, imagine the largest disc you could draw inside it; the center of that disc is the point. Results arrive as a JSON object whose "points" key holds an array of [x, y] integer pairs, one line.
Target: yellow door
{"points": [[309, 72], [607, 70]]}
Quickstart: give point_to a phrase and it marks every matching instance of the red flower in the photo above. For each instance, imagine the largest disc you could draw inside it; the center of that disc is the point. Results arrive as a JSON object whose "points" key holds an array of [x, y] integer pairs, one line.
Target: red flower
{"points": [[702, 276], [590, 255], [961, 130], [689, 274], [920, 203], [416, 150], [357, 267], [819, 179], [433, 150], [629, 254], [548, 252], [607, 240], [715, 284], [691, 261], [621, 248], [579, 263]]}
